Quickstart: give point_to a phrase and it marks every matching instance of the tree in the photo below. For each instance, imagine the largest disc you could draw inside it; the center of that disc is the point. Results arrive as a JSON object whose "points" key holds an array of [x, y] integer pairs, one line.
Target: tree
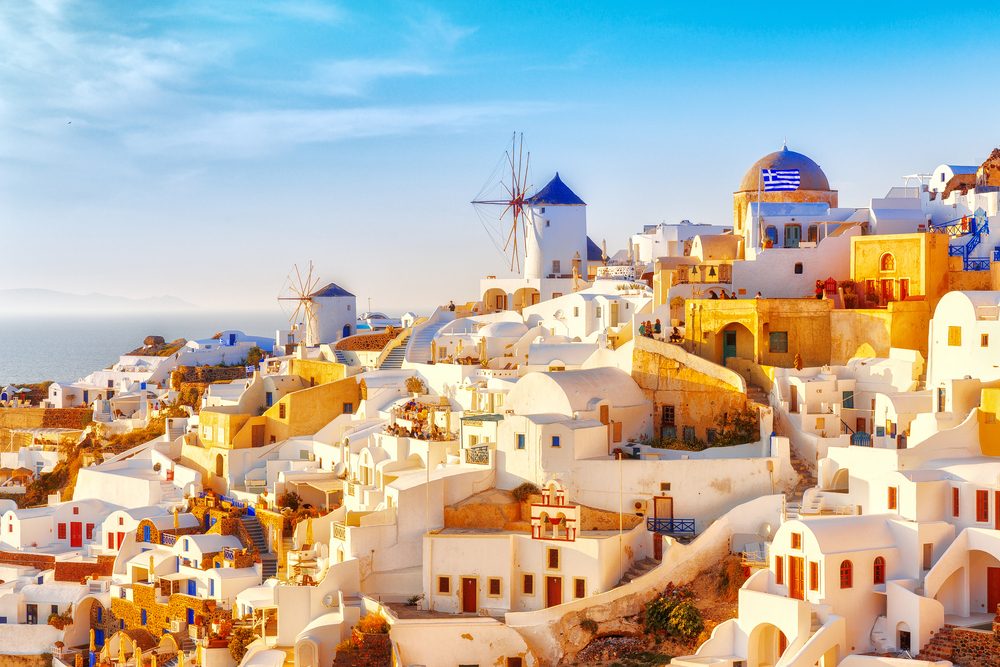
{"points": [[240, 638], [254, 355]]}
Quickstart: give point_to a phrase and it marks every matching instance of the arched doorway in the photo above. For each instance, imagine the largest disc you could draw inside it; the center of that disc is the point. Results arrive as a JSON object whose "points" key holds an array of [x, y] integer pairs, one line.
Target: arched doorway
{"points": [[494, 300], [841, 480], [346, 332], [765, 645], [220, 465], [526, 296], [306, 654], [734, 341]]}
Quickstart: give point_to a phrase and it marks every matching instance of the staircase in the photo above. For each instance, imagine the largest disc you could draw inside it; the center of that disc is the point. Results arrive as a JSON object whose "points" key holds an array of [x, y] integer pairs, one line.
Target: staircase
{"points": [[170, 494], [940, 647], [757, 395], [419, 348], [269, 561], [639, 568], [340, 357], [395, 358]]}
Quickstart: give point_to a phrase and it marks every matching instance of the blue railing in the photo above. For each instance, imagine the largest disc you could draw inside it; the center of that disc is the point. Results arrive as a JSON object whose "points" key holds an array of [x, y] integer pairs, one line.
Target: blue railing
{"points": [[670, 526], [996, 254], [861, 439], [977, 264], [168, 539]]}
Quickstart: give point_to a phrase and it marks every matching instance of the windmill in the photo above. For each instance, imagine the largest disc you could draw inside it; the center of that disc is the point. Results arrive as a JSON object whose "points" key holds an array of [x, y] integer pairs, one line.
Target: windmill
{"points": [[508, 188], [300, 290]]}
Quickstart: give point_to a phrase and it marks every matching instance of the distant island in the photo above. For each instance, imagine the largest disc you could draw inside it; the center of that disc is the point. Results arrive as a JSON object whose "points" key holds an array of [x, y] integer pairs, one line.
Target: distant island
{"points": [[32, 300]]}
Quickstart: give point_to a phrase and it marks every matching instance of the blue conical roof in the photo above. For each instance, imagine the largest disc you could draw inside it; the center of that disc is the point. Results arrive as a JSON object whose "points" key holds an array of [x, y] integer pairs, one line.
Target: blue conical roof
{"points": [[556, 193]]}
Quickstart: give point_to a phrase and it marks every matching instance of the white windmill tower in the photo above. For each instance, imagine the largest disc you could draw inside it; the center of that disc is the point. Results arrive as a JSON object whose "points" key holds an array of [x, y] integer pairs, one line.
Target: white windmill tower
{"points": [[326, 314]]}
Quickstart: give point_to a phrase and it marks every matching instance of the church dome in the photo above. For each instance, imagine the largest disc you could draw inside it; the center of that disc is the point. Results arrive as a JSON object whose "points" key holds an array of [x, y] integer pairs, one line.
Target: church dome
{"points": [[812, 177]]}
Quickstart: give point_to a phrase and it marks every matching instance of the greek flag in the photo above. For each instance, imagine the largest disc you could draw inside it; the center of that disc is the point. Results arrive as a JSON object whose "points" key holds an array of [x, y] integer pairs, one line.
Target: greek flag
{"points": [[776, 180]]}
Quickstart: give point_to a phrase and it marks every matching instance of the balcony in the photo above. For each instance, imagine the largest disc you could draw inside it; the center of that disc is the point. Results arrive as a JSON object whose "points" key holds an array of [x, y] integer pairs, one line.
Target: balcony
{"points": [[478, 455], [670, 526], [168, 539]]}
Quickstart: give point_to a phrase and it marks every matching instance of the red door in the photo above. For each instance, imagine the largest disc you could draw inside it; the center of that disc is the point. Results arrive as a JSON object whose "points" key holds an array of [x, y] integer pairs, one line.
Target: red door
{"points": [[470, 605], [996, 511], [657, 546], [992, 589], [76, 534], [553, 591], [796, 578], [121, 538], [111, 540]]}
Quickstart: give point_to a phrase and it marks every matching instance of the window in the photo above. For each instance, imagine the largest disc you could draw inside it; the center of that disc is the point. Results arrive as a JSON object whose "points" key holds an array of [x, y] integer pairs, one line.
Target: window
{"points": [[846, 574], [954, 336], [667, 415], [820, 422], [61, 531], [813, 234], [984, 340], [556, 267], [269, 399], [555, 441], [892, 500], [664, 487], [710, 435], [779, 570], [444, 585], [798, 268], [878, 571], [778, 341], [211, 586], [528, 584], [76, 510], [796, 540], [982, 506], [771, 232], [121, 521], [281, 411], [493, 587], [814, 576], [515, 662], [519, 438], [688, 434], [579, 588], [597, 311], [553, 559], [348, 408], [955, 507], [3, 619], [928, 558], [576, 311], [142, 616], [887, 262], [100, 614], [90, 531], [55, 609]]}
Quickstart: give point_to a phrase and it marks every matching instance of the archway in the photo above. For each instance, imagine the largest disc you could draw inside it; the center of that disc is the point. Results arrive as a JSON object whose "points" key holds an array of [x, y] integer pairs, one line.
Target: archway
{"points": [[734, 340], [494, 300], [306, 654], [765, 645], [841, 480], [903, 638], [346, 332], [220, 465], [526, 296], [677, 309]]}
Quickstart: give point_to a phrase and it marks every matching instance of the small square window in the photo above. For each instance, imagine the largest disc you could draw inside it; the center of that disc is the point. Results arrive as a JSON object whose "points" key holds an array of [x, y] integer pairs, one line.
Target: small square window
{"points": [[798, 268], [553, 559], [689, 434], [710, 435], [579, 588], [796, 540], [528, 584], [664, 486], [667, 415], [954, 336], [348, 409], [76, 510], [555, 441], [984, 340], [494, 585], [519, 438], [778, 342], [444, 585]]}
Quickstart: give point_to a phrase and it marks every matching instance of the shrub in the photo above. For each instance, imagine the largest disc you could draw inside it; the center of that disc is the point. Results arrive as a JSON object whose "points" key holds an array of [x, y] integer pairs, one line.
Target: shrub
{"points": [[685, 621], [372, 624], [254, 355], [414, 600], [737, 427], [658, 611], [290, 500], [524, 491], [240, 638], [590, 625], [345, 646]]}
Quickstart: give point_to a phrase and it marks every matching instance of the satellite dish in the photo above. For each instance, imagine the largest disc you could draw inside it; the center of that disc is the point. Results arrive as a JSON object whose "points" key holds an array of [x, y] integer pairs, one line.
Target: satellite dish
{"points": [[328, 600]]}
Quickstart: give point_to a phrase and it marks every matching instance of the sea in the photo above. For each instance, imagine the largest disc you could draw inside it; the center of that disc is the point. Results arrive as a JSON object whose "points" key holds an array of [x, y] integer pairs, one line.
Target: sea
{"points": [[67, 347]]}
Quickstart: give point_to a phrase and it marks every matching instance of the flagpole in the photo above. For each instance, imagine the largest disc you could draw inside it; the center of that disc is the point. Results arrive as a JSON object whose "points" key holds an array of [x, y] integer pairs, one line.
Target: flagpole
{"points": [[760, 232]]}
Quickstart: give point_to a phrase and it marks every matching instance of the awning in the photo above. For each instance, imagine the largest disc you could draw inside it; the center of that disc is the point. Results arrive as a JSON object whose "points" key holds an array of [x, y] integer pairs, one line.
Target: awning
{"points": [[324, 486]]}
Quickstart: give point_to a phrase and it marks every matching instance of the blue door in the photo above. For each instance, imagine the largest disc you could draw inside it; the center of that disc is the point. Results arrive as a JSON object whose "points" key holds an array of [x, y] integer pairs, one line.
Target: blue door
{"points": [[728, 345], [232, 339], [99, 638], [145, 534], [190, 616], [192, 587]]}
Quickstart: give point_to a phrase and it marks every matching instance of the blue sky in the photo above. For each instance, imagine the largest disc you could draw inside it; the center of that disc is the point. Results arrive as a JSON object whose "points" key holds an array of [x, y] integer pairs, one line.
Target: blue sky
{"points": [[200, 149]]}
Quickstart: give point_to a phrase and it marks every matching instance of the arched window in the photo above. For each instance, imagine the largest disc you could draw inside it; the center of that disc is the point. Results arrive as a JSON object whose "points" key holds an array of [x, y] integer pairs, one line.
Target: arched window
{"points": [[887, 262], [771, 233], [878, 570], [846, 574], [813, 233]]}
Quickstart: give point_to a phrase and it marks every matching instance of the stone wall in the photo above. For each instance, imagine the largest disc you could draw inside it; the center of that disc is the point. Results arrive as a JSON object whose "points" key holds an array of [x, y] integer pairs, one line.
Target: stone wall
{"points": [[25, 660], [158, 616], [369, 651], [976, 647], [77, 571], [22, 418], [38, 561]]}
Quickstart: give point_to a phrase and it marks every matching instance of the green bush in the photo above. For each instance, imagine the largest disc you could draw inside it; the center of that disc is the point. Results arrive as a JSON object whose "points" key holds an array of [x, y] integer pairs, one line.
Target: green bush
{"points": [[658, 611], [524, 491], [254, 355], [685, 621]]}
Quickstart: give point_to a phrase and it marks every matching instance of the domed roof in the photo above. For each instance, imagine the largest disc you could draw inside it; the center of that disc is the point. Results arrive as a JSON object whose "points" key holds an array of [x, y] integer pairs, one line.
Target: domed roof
{"points": [[810, 174]]}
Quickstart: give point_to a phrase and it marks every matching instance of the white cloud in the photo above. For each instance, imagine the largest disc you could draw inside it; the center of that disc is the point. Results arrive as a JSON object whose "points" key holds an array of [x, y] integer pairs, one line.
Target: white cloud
{"points": [[356, 76], [252, 133]]}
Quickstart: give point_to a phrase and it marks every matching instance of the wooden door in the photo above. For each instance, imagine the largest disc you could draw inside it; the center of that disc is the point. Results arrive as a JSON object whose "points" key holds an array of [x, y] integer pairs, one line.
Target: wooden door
{"points": [[996, 511], [992, 589], [663, 507], [904, 288], [728, 345], [470, 605], [796, 578], [614, 314], [76, 534], [793, 399], [257, 435], [793, 234], [887, 290], [657, 546], [860, 425], [553, 591]]}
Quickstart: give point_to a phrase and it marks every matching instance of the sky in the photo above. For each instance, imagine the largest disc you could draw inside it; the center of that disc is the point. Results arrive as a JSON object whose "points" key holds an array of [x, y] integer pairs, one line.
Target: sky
{"points": [[201, 149]]}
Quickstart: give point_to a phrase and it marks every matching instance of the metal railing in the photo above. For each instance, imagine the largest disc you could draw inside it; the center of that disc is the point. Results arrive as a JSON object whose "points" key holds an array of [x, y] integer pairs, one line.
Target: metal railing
{"points": [[479, 455], [168, 539], [670, 526], [339, 531]]}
